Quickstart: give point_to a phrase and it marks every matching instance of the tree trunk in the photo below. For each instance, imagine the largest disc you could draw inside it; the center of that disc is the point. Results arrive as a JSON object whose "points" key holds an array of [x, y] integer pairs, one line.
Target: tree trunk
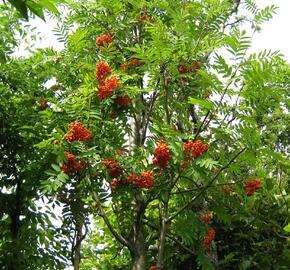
{"points": [[15, 223], [163, 227], [138, 251], [77, 249]]}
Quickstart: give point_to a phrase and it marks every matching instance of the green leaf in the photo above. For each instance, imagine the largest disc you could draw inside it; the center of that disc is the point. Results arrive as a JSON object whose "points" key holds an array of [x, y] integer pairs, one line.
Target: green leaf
{"points": [[208, 163], [287, 228], [205, 262], [48, 5], [36, 9], [202, 103], [55, 167], [21, 7]]}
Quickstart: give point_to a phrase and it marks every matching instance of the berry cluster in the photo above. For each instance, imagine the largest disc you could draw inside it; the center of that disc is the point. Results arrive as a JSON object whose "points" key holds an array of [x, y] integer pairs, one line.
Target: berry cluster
{"points": [[72, 165], [123, 101], [183, 69], [121, 152], [114, 183], [103, 40], [146, 18], [106, 90], [133, 63], [103, 70], [145, 180], [106, 84], [252, 186], [193, 149], [114, 169], [77, 132], [187, 69], [161, 155], [206, 217], [43, 105], [209, 238]]}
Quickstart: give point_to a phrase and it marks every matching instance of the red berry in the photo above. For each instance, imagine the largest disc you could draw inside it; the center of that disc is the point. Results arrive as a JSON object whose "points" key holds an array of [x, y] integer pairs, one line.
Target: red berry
{"points": [[104, 39], [77, 132], [103, 70], [161, 155]]}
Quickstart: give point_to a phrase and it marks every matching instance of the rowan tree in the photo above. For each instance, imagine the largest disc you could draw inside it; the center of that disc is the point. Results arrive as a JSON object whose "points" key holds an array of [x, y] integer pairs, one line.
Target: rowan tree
{"points": [[169, 135]]}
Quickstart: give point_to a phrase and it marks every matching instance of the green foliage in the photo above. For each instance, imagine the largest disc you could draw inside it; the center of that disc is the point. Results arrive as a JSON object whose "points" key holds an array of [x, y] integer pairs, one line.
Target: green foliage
{"points": [[36, 7], [182, 88]]}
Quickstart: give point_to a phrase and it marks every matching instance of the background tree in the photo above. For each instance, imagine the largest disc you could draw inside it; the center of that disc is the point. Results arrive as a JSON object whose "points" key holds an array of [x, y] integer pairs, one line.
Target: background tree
{"points": [[35, 7], [27, 229]]}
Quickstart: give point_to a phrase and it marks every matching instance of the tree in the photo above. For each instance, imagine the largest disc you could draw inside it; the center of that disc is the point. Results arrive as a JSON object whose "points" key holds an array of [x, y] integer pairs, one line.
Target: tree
{"points": [[35, 7], [168, 143], [26, 228]]}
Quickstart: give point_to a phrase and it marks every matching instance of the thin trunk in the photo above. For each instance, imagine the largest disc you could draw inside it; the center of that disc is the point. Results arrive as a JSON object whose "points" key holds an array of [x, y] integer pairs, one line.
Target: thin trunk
{"points": [[163, 227], [139, 255], [77, 249], [138, 252], [15, 223]]}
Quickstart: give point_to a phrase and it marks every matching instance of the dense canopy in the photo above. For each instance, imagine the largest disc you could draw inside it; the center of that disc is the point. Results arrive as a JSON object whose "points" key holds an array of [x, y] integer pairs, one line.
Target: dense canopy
{"points": [[152, 140]]}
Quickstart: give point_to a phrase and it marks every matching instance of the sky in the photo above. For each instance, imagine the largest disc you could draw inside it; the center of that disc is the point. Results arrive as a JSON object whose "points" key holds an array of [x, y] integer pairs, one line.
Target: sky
{"points": [[273, 35]]}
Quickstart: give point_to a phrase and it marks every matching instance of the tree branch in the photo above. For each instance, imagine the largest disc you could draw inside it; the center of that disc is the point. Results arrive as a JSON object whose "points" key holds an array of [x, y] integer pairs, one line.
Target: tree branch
{"points": [[185, 248], [154, 96], [194, 198], [102, 214]]}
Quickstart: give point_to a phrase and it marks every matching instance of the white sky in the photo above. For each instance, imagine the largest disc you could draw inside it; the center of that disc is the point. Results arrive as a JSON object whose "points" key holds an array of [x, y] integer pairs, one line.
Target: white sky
{"points": [[274, 34]]}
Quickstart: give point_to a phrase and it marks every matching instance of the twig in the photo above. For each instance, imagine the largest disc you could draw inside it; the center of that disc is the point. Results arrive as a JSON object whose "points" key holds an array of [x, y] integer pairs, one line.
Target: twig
{"points": [[170, 237], [194, 198], [102, 214], [154, 97]]}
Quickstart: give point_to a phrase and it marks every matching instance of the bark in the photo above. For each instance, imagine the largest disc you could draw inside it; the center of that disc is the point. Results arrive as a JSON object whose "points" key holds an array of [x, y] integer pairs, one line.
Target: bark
{"points": [[15, 222], [163, 227], [77, 249], [138, 251]]}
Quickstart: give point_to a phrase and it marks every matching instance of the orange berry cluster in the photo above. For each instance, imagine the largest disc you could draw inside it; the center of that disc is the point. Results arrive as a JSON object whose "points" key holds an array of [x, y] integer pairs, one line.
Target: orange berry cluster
{"points": [[106, 89], [183, 69], [123, 101], [209, 238], [193, 149], [103, 40], [114, 169], [252, 186], [103, 70], [145, 180], [206, 217], [121, 152], [72, 165], [43, 105], [146, 18], [186, 69], [77, 132], [133, 63], [162, 155]]}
